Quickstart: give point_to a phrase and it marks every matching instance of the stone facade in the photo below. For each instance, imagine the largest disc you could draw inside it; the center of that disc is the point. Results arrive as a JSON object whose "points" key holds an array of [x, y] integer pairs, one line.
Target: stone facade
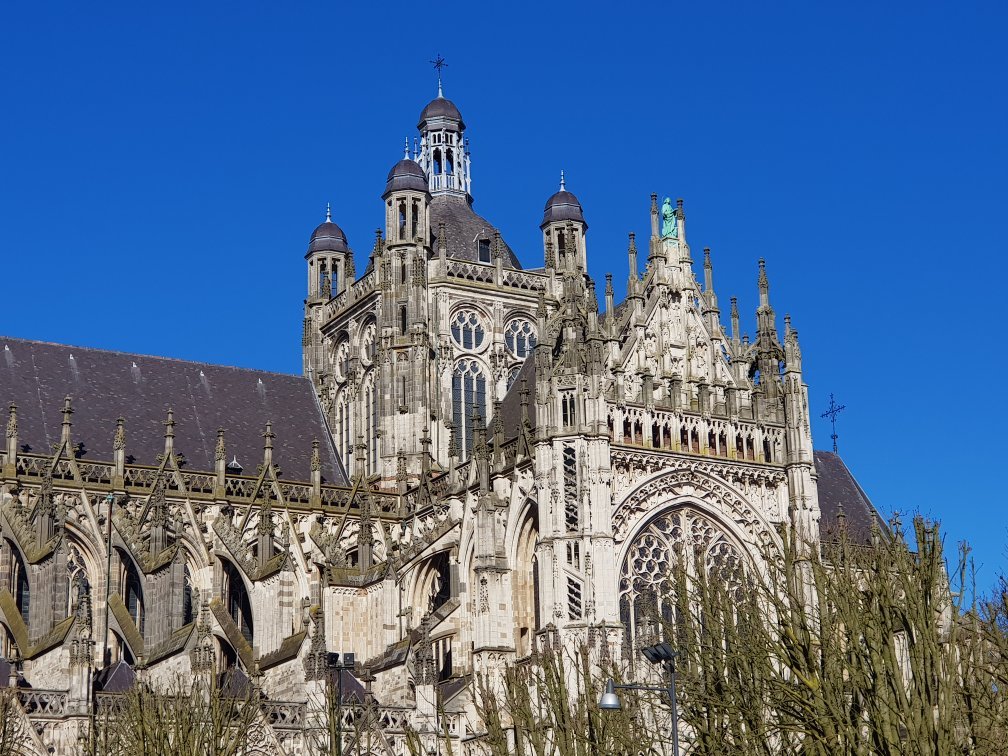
{"points": [[477, 460]]}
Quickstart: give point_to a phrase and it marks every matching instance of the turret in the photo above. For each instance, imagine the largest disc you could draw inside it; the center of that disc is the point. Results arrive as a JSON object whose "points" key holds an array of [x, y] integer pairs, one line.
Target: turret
{"points": [[444, 149], [564, 227]]}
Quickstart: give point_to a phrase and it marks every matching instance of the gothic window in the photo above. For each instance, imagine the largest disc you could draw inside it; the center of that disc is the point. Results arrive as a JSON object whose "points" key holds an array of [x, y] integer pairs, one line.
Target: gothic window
{"points": [[520, 337], [568, 408], [19, 584], [467, 329], [370, 421], [238, 604], [468, 389], [414, 224], [402, 220], [188, 612], [572, 506], [575, 599], [449, 163], [133, 593], [483, 250], [402, 319], [681, 537], [341, 415], [402, 269], [437, 161]]}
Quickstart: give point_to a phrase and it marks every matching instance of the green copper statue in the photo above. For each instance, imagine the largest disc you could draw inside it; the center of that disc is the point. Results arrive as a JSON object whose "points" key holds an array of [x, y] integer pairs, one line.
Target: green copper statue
{"points": [[669, 227]]}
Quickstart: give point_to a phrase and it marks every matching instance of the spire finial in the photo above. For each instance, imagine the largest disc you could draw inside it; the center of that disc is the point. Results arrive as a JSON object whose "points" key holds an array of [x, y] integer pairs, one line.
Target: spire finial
{"points": [[563, 185], [438, 64], [328, 213], [406, 148]]}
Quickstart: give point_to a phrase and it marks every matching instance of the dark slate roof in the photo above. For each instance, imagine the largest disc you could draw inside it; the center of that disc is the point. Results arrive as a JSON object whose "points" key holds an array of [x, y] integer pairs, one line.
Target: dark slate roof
{"points": [[510, 408], [406, 174], [837, 488], [117, 678], [440, 107], [104, 385], [463, 227], [328, 237], [562, 206]]}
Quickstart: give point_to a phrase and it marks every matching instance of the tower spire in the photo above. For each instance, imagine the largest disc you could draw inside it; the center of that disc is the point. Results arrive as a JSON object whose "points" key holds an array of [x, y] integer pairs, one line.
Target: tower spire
{"points": [[563, 185], [328, 213]]}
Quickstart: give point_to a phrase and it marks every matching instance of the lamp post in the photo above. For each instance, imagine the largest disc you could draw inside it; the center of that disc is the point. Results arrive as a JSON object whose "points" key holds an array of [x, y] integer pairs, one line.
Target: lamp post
{"points": [[334, 662], [661, 654]]}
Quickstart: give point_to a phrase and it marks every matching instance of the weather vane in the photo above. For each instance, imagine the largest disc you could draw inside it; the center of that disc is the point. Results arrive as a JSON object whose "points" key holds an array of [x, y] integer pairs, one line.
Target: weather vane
{"points": [[831, 412], [438, 63]]}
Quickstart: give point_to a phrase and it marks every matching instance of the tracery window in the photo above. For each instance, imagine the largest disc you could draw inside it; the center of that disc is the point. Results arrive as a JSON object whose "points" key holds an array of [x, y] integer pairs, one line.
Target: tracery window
{"points": [[19, 584], [370, 422], [674, 537], [468, 389], [467, 329], [520, 337], [512, 374]]}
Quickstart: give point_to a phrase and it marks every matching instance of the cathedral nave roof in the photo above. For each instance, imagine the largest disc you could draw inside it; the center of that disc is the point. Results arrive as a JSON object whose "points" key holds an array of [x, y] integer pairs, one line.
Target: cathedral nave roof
{"points": [[104, 385]]}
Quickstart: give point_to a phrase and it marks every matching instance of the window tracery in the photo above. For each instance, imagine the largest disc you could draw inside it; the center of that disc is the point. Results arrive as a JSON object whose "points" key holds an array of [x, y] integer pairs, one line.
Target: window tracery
{"points": [[520, 337], [678, 537], [468, 389], [467, 329]]}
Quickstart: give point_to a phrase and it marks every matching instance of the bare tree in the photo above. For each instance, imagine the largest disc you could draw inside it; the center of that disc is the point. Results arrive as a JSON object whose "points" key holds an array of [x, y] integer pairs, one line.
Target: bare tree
{"points": [[15, 739]]}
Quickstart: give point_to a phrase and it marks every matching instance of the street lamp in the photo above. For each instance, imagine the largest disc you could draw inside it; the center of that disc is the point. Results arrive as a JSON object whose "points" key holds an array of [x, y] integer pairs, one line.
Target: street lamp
{"points": [[661, 654], [334, 662]]}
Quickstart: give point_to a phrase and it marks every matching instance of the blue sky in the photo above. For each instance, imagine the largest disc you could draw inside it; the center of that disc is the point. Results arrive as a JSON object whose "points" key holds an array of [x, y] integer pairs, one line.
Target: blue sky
{"points": [[161, 170]]}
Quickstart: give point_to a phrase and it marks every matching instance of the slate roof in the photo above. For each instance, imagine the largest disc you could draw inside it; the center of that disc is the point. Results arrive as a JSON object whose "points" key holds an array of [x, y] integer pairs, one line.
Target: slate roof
{"points": [[462, 228], [562, 206], [103, 385], [837, 487], [510, 408]]}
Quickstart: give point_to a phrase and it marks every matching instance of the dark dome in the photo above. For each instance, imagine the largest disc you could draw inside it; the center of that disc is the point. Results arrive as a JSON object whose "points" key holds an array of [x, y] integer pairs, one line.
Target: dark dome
{"points": [[440, 107], [406, 174], [562, 206], [328, 237]]}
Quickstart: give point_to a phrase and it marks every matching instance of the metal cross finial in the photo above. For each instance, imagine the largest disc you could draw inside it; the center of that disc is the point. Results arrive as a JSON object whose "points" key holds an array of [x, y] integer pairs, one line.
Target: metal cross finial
{"points": [[438, 64], [831, 412]]}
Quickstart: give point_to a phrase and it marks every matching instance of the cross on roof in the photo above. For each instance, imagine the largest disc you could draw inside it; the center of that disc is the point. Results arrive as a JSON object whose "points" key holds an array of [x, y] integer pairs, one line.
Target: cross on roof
{"points": [[831, 412], [438, 63]]}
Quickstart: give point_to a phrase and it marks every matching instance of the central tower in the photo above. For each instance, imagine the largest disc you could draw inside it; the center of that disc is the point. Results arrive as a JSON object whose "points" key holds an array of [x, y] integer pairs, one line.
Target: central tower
{"points": [[444, 150]]}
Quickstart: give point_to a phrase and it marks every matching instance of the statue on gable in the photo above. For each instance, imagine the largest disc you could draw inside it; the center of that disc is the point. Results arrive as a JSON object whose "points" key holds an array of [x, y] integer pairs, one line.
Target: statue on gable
{"points": [[669, 228]]}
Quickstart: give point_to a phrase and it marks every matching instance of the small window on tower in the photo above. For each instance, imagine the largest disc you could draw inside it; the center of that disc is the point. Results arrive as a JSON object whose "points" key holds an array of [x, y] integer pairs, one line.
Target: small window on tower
{"points": [[484, 250]]}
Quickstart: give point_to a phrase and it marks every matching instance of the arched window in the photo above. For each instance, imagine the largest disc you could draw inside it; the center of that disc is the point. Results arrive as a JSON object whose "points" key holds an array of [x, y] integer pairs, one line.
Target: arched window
{"points": [[19, 584], [237, 600], [132, 590], [370, 417], [437, 161], [402, 319], [678, 537], [414, 223], [468, 388], [467, 329], [520, 337], [512, 375], [188, 611], [402, 220], [449, 163], [342, 430]]}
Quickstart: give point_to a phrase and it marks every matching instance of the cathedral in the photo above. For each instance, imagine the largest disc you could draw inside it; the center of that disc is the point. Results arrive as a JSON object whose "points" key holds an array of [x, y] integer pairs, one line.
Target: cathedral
{"points": [[484, 454]]}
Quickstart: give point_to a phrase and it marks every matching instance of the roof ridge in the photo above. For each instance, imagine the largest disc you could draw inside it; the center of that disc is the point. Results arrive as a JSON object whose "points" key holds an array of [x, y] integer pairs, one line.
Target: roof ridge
{"points": [[17, 339]]}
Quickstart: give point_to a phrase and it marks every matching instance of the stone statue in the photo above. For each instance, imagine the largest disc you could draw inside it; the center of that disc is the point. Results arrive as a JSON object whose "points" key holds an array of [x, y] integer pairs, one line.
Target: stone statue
{"points": [[669, 227]]}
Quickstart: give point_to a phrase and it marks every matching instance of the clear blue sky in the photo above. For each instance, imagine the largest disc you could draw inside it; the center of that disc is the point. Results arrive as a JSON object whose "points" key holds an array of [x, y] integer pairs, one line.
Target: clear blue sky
{"points": [[162, 169]]}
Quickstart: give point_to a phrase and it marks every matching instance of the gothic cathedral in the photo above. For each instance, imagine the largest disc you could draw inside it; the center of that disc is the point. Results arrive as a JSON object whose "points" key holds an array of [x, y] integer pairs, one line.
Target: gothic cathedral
{"points": [[478, 459]]}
